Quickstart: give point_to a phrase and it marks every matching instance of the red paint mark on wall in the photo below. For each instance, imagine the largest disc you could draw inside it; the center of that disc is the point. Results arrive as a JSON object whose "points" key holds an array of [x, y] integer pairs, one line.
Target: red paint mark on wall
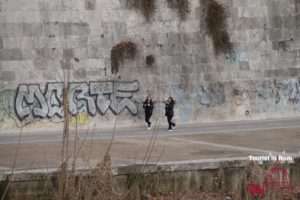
{"points": [[276, 179]]}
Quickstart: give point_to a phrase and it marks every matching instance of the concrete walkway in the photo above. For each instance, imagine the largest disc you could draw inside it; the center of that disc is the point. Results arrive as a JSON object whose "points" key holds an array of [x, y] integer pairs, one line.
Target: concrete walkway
{"points": [[224, 141]]}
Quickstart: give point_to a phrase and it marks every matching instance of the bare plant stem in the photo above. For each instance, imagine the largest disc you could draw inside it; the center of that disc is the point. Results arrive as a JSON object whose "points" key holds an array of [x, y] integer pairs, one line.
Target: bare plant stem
{"points": [[65, 142], [76, 140], [3, 196]]}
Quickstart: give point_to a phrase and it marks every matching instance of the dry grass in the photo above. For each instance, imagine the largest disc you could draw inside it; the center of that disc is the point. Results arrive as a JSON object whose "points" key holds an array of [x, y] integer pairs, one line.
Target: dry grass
{"points": [[188, 196], [96, 185]]}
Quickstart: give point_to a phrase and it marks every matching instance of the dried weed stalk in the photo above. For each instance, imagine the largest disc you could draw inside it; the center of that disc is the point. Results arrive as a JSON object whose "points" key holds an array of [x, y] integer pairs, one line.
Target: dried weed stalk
{"points": [[94, 186], [5, 186]]}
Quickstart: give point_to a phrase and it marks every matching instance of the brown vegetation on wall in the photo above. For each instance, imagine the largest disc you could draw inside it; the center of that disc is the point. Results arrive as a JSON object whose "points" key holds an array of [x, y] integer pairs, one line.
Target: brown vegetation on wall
{"points": [[182, 7], [123, 50], [215, 20], [147, 7], [150, 60]]}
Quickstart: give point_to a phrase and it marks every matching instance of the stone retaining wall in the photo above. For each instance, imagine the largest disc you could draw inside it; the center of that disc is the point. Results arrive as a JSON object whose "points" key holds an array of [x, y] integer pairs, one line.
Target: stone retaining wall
{"points": [[228, 177], [258, 79]]}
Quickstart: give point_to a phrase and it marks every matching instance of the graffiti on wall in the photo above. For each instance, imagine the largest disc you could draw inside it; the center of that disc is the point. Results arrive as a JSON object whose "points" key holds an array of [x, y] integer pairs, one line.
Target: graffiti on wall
{"points": [[91, 97], [212, 94], [284, 90], [6, 105], [80, 119], [276, 180]]}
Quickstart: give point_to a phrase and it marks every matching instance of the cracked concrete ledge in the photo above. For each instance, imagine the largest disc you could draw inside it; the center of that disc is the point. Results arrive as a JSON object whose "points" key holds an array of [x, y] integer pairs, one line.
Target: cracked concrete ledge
{"points": [[118, 170]]}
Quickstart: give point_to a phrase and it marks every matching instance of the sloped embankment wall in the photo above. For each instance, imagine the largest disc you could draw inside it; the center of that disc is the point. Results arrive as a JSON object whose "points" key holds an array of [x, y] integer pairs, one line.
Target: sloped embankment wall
{"points": [[219, 179], [114, 56]]}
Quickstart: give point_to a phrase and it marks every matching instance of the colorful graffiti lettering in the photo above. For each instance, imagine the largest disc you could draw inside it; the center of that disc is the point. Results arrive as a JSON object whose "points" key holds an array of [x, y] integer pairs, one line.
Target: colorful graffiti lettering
{"points": [[80, 119], [93, 97], [256, 191], [276, 179]]}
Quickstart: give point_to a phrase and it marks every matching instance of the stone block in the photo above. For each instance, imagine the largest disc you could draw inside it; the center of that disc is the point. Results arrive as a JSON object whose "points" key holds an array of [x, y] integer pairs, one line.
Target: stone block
{"points": [[154, 38], [275, 46], [297, 33], [99, 74], [220, 67], [276, 73], [90, 4], [11, 29], [94, 64], [281, 45], [297, 18], [294, 72], [95, 52], [204, 68], [208, 77], [10, 54], [241, 23], [80, 53], [75, 42], [50, 75], [254, 23], [119, 30], [289, 22], [187, 38], [198, 11], [52, 30], [275, 34], [251, 23], [68, 54], [8, 76], [198, 38], [276, 21], [80, 74], [32, 29], [174, 49], [197, 59], [28, 54], [48, 53], [65, 64], [80, 28], [297, 6]]}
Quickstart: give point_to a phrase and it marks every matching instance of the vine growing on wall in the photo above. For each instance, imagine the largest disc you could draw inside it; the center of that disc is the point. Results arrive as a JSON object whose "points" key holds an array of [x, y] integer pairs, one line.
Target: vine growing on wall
{"points": [[147, 7], [216, 26], [182, 7], [123, 50]]}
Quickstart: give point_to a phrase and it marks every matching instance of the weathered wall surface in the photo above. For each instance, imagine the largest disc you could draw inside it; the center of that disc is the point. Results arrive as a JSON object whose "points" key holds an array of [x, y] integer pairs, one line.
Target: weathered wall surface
{"points": [[40, 40], [226, 178]]}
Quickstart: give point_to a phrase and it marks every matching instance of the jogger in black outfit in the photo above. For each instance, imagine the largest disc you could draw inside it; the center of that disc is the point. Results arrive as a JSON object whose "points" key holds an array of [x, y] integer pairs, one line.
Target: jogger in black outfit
{"points": [[148, 107], [170, 112]]}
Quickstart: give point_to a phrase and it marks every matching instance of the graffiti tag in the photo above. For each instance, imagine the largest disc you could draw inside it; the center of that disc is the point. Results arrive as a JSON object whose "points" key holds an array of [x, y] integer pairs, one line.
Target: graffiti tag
{"points": [[93, 97]]}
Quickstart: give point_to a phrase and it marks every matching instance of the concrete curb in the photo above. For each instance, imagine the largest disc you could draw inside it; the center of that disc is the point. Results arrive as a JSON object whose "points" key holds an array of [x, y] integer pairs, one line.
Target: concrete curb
{"points": [[176, 166]]}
